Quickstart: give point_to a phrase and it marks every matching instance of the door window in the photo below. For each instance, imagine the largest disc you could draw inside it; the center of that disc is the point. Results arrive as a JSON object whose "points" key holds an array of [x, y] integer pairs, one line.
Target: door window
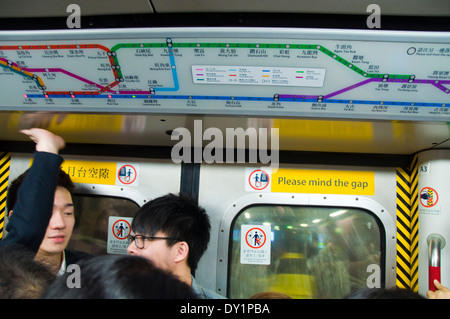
{"points": [[316, 252], [92, 214]]}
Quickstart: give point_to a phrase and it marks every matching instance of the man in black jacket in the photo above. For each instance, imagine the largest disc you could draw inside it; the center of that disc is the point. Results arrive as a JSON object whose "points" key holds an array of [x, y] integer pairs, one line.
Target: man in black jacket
{"points": [[41, 207], [33, 202]]}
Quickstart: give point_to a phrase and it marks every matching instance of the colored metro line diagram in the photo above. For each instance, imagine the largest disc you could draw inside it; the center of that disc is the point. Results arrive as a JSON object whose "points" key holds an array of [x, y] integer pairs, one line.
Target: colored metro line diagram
{"points": [[208, 76]]}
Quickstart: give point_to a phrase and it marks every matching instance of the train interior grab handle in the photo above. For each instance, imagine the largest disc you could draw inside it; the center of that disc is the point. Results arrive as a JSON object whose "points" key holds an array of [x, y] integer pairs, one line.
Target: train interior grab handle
{"points": [[435, 243]]}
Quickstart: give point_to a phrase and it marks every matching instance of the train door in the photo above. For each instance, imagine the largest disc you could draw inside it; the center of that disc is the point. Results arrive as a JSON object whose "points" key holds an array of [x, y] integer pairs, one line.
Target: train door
{"points": [[108, 193], [324, 244], [433, 208]]}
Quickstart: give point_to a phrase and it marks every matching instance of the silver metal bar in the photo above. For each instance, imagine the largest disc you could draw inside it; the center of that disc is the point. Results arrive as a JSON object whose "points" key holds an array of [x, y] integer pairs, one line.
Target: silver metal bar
{"points": [[435, 243]]}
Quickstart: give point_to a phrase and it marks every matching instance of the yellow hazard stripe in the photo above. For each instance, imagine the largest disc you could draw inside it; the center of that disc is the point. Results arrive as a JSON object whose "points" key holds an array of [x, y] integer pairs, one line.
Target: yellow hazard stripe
{"points": [[414, 224], [5, 161], [407, 227]]}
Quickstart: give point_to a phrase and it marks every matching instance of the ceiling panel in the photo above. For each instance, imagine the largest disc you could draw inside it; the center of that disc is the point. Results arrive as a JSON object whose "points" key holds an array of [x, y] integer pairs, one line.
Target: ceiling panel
{"points": [[388, 7], [51, 8], [317, 135]]}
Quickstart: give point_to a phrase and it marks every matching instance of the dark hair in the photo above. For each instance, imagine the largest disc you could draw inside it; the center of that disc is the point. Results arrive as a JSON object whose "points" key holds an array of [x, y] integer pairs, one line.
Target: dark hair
{"points": [[178, 217], [63, 181], [383, 293], [120, 277], [21, 277], [270, 295]]}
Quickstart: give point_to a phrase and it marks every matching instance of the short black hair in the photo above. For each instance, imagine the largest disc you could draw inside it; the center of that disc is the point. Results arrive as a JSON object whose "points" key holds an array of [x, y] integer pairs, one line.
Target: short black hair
{"points": [[178, 216], [384, 293], [64, 180], [21, 277], [120, 277]]}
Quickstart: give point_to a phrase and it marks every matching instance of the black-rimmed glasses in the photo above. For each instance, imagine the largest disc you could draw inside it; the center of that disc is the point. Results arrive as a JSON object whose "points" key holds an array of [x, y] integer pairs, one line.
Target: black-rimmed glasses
{"points": [[139, 239]]}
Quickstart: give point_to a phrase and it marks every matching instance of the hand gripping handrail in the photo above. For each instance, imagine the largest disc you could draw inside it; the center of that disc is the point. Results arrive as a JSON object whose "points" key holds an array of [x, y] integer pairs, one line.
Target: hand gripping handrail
{"points": [[435, 243]]}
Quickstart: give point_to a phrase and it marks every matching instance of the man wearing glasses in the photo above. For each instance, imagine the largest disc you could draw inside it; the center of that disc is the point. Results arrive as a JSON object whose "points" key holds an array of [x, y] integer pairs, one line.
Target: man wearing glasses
{"points": [[173, 232]]}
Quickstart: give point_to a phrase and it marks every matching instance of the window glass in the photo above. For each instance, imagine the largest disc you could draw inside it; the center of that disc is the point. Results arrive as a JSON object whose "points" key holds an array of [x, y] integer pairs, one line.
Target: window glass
{"points": [[92, 213], [316, 252]]}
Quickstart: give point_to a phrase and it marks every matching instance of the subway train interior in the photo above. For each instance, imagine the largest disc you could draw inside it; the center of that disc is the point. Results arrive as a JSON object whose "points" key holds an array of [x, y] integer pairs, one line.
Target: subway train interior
{"points": [[315, 134]]}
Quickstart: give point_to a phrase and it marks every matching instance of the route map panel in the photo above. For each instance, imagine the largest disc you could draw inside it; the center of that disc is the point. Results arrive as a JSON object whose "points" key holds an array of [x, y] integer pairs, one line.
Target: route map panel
{"points": [[228, 72]]}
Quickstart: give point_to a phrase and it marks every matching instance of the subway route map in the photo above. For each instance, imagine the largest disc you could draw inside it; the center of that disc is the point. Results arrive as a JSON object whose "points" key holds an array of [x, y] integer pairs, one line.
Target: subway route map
{"points": [[218, 73]]}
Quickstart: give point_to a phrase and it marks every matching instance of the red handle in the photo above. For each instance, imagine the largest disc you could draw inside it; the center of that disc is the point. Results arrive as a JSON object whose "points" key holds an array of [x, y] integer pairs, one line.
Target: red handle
{"points": [[433, 273]]}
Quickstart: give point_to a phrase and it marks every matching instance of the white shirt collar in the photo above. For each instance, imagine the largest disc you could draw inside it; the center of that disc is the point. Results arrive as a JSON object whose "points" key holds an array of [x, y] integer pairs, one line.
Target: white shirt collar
{"points": [[62, 270]]}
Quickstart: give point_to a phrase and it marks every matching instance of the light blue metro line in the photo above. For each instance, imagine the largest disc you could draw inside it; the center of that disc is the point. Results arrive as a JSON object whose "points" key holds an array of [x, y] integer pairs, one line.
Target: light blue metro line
{"points": [[174, 75]]}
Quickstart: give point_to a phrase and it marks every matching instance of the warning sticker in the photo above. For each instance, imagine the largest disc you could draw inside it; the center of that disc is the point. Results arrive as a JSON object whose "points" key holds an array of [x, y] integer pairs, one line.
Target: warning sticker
{"points": [[311, 181], [258, 179], [128, 174], [255, 244], [428, 199], [90, 172], [105, 173], [118, 230]]}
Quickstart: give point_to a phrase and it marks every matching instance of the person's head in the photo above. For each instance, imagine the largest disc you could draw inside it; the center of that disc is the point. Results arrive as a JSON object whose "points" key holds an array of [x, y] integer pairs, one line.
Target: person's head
{"points": [[21, 277], [181, 220], [119, 277], [270, 295], [384, 293], [60, 227]]}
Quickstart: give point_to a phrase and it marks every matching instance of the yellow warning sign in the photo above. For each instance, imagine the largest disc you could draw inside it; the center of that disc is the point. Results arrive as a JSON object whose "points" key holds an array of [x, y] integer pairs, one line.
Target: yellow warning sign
{"points": [[323, 182], [91, 172], [105, 173]]}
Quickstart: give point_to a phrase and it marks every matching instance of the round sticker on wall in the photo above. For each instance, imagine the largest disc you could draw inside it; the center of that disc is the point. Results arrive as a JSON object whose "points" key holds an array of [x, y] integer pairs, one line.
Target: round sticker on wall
{"points": [[258, 179], [428, 197], [127, 174], [121, 229], [255, 238]]}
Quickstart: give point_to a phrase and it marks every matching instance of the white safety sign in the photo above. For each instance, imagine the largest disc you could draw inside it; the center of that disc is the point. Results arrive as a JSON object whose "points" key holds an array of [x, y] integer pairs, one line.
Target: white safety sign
{"points": [[127, 174], [118, 230], [255, 244], [258, 179]]}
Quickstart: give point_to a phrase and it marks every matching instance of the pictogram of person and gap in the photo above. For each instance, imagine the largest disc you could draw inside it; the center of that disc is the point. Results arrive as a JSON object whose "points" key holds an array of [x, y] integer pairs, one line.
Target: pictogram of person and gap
{"points": [[257, 238]]}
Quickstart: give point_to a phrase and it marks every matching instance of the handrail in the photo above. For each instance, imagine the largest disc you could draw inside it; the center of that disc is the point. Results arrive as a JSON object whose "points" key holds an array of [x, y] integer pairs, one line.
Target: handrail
{"points": [[435, 243]]}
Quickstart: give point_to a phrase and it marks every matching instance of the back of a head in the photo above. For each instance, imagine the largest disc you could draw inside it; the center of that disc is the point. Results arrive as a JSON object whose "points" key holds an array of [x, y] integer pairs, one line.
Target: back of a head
{"points": [[21, 277], [177, 217], [270, 295], [383, 293], [120, 277]]}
